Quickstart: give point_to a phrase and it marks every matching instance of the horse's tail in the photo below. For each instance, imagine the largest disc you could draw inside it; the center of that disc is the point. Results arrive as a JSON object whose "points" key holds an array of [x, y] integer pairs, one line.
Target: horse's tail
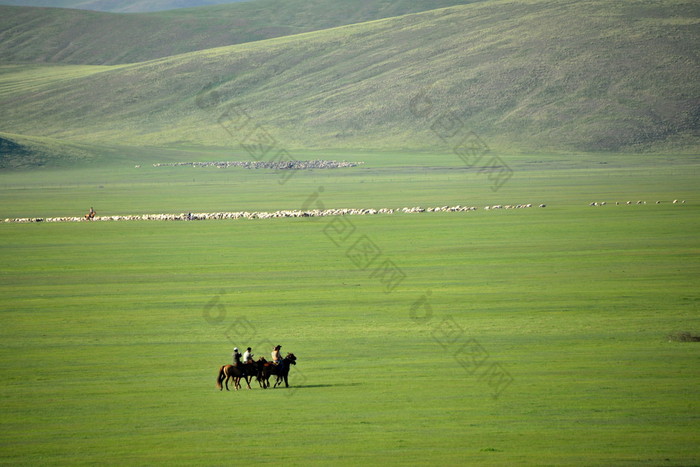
{"points": [[220, 378]]}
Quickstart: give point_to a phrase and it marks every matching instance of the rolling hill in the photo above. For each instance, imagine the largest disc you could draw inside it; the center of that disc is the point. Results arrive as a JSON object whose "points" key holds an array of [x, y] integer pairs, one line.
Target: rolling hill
{"points": [[58, 35], [576, 75], [117, 6], [18, 151]]}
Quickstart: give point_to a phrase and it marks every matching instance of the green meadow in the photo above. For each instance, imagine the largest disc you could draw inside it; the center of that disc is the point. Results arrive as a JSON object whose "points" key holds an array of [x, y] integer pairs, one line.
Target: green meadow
{"points": [[560, 334], [522, 337]]}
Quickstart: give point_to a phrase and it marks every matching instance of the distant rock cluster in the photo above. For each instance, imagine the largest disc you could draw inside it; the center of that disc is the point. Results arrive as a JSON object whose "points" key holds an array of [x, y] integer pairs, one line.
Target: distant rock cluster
{"points": [[276, 165], [263, 215]]}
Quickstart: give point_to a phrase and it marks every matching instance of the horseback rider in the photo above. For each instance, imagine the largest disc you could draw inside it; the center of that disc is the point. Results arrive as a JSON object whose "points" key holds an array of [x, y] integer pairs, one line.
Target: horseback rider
{"points": [[236, 357], [248, 356], [276, 357]]}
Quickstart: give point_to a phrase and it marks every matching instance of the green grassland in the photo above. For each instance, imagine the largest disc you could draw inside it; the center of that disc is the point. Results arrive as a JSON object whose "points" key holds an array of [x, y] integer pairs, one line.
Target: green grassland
{"points": [[532, 336], [385, 180], [113, 332]]}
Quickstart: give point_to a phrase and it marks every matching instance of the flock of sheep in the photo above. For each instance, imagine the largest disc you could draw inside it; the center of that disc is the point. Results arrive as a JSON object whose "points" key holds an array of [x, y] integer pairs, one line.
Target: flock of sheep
{"points": [[617, 203], [294, 213], [266, 215], [278, 165]]}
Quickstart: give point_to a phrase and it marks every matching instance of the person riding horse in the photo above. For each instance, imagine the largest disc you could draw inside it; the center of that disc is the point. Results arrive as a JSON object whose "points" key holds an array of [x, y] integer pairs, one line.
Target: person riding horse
{"points": [[276, 357], [236, 357], [281, 371], [90, 215], [261, 369], [248, 356]]}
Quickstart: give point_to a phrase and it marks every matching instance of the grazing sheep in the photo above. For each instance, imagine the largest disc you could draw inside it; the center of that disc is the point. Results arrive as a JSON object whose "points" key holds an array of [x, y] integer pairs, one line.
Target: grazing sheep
{"points": [[269, 215]]}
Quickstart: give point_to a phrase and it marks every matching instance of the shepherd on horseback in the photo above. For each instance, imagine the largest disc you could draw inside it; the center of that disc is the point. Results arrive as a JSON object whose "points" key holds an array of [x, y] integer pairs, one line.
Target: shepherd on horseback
{"points": [[236, 357], [260, 369], [246, 370], [281, 371], [248, 356], [276, 357]]}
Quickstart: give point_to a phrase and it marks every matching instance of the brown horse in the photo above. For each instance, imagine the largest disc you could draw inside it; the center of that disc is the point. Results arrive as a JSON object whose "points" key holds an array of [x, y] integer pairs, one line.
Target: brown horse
{"points": [[281, 371], [261, 363], [245, 371]]}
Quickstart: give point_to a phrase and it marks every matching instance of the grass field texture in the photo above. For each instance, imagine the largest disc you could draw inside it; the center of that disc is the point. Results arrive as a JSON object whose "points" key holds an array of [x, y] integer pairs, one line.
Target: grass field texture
{"points": [[523, 337]]}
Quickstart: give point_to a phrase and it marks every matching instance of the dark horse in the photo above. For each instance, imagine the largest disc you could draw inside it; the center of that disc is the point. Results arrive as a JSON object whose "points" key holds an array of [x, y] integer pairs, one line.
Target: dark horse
{"points": [[245, 371], [281, 371]]}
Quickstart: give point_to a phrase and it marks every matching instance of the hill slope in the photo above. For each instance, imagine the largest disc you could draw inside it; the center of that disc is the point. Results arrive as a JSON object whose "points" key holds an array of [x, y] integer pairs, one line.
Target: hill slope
{"points": [[57, 35], [584, 75], [17, 151], [117, 6]]}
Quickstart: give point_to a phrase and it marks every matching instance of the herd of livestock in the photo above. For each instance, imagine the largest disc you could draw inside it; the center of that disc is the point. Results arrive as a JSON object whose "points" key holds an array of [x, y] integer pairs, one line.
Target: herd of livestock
{"points": [[265, 215], [199, 216], [277, 165]]}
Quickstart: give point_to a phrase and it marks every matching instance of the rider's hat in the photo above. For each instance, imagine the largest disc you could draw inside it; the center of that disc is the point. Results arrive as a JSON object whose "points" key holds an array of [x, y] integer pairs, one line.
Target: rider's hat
{"points": [[249, 348], [278, 347], [235, 349]]}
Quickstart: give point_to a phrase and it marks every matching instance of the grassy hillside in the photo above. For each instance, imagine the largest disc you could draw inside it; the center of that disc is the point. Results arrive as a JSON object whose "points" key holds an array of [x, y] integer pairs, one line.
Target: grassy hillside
{"points": [[584, 75], [18, 151], [122, 6], [84, 37]]}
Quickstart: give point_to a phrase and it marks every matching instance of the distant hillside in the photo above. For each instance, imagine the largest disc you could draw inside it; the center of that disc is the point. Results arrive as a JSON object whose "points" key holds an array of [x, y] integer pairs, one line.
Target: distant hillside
{"points": [[90, 38], [585, 75], [18, 151], [117, 6]]}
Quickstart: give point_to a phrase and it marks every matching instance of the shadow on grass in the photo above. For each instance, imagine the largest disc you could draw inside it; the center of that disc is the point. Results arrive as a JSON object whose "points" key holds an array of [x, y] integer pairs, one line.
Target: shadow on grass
{"points": [[684, 337], [312, 386]]}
